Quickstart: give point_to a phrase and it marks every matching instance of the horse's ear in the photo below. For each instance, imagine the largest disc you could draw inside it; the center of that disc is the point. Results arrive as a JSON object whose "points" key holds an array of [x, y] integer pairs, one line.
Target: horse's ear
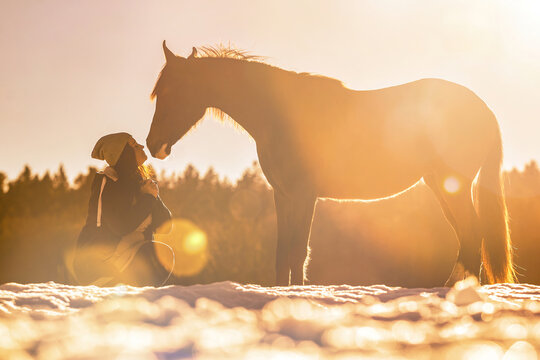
{"points": [[193, 53], [169, 56]]}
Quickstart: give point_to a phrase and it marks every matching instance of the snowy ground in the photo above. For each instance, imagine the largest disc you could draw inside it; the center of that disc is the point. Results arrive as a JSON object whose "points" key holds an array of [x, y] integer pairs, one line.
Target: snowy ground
{"points": [[229, 320]]}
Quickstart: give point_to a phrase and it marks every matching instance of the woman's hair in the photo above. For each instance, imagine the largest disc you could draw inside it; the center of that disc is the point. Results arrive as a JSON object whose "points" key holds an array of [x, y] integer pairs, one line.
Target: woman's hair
{"points": [[128, 170]]}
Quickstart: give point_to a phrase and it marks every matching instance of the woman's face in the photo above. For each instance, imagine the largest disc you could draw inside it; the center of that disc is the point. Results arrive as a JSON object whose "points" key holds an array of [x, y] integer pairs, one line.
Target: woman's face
{"points": [[140, 155]]}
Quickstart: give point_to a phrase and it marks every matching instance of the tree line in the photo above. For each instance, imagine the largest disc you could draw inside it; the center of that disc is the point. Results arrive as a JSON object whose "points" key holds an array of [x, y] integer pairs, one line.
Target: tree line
{"points": [[402, 241]]}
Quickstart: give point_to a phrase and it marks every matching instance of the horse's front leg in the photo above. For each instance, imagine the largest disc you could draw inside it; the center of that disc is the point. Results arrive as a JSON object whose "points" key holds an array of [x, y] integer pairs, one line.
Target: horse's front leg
{"points": [[283, 237], [294, 215]]}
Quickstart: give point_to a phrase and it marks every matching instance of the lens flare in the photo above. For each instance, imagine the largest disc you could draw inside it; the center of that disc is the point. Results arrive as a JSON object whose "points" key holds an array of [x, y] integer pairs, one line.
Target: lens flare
{"points": [[451, 185], [189, 243], [195, 243]]}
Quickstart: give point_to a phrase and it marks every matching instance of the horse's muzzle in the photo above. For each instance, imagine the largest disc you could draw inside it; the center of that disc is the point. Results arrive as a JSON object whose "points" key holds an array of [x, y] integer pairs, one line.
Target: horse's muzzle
{"points": [[158, 150], [163, 152]]}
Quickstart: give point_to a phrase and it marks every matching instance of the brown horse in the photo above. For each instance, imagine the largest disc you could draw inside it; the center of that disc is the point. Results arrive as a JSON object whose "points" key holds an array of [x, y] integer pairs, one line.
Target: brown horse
{"points": [[316, 138]]}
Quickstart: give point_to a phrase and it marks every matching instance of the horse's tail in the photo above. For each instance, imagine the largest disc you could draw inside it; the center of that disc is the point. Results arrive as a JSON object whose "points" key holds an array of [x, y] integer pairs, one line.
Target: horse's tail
{"points": [[496, 246]]}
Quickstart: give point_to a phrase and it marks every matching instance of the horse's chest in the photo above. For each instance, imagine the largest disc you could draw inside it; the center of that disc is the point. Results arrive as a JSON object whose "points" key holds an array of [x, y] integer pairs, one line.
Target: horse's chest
{"points": [[284, 168]]}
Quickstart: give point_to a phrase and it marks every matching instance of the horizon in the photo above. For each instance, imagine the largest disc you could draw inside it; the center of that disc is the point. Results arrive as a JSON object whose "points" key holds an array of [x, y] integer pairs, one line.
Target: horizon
{"points": [[177, 172]]}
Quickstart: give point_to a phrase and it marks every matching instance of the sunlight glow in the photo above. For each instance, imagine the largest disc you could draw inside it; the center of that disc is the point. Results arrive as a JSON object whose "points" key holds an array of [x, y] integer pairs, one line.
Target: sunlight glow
{"points": [[451, 185], [482, 351], [521, 350], [195, 242], [189, 243]]}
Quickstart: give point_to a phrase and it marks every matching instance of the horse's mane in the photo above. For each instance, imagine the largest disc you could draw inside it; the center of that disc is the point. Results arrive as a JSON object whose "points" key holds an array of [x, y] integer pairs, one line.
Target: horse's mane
{"points": [[221, 51], [229, 52]]}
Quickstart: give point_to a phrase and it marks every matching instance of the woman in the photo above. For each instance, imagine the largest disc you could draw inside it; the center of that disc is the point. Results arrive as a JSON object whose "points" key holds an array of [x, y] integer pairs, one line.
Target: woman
{"points": [[116, 244]]}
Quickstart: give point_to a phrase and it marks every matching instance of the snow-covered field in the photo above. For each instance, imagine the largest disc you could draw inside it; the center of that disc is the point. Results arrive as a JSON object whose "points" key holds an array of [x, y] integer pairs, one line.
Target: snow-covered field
{"points": [[229, 320]]}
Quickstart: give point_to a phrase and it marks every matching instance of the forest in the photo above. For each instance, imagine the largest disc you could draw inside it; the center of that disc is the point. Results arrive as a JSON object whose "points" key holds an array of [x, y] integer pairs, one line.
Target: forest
{"points": [[401, 241]]}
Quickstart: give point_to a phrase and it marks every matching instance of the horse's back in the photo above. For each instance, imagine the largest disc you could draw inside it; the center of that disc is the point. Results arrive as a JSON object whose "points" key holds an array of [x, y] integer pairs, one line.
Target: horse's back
{"points": [[380, 142], [459, 128]]}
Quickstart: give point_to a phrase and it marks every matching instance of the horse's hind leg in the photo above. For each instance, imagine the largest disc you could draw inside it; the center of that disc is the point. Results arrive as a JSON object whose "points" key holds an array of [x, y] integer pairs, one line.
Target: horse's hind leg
{"points": [[457, 204], [433, 183]]}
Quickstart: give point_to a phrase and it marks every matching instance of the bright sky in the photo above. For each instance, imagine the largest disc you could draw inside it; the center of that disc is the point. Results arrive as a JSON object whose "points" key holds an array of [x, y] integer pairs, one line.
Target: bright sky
{"points": [[72, 71]]}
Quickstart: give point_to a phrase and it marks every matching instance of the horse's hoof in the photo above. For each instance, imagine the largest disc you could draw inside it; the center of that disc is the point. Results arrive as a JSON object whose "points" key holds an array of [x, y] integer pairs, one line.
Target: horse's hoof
{"points": [[458, 274]]}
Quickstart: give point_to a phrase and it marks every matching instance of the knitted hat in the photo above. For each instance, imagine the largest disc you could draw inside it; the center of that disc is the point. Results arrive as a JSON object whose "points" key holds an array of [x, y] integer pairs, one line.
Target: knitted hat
{"points": [[109, 147]]}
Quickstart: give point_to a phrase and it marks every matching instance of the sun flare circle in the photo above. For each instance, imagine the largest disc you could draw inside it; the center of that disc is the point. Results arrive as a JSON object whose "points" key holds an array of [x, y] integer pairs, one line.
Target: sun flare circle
{"points": [[451, 185], [189, 243]]}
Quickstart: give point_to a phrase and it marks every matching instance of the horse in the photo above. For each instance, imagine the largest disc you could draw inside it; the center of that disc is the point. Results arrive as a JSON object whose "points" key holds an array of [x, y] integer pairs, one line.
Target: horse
{"points": [[316, 138]]}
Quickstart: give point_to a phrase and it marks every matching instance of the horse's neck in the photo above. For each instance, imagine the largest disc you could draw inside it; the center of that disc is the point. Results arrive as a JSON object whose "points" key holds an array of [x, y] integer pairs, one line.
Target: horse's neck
{"points": [[237, 89]]}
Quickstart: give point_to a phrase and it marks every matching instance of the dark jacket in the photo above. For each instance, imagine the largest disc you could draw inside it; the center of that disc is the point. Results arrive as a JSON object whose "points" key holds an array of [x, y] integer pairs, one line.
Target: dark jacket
{"points": [[122, 211]]}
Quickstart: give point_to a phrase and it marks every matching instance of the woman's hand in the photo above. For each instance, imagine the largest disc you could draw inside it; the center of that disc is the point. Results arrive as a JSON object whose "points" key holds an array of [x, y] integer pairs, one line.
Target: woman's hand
{"points": [[150, 187]]}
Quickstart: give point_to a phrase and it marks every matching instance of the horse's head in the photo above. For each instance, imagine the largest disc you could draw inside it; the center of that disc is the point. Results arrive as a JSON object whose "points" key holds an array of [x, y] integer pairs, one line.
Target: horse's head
{"points": [[179, 103]]}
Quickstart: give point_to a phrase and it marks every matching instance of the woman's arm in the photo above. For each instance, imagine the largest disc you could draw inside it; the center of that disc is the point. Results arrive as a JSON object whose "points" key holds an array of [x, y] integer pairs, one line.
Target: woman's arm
{"points": [[161, 217], [120, 214]]}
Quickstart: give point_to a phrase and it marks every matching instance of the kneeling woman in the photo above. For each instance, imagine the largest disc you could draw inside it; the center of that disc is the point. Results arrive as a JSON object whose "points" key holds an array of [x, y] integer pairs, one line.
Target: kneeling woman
{"points": [[116, 244]]}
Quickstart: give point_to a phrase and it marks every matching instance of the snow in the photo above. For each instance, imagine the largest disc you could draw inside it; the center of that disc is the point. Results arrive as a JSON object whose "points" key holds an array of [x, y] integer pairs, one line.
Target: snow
{"points": [[233, 321]]}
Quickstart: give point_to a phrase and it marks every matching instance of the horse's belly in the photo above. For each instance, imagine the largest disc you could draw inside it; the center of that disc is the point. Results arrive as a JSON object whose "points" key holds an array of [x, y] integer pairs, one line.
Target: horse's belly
{"points": [[367, 183]]}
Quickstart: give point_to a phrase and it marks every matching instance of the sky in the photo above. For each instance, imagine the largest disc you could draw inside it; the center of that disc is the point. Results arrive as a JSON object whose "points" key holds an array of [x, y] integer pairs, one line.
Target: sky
{"points": [[72, 71]]}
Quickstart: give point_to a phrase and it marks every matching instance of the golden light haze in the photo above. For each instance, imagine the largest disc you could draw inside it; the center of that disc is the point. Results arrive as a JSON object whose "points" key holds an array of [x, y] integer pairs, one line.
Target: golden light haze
{"points": [[73, 71]]}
